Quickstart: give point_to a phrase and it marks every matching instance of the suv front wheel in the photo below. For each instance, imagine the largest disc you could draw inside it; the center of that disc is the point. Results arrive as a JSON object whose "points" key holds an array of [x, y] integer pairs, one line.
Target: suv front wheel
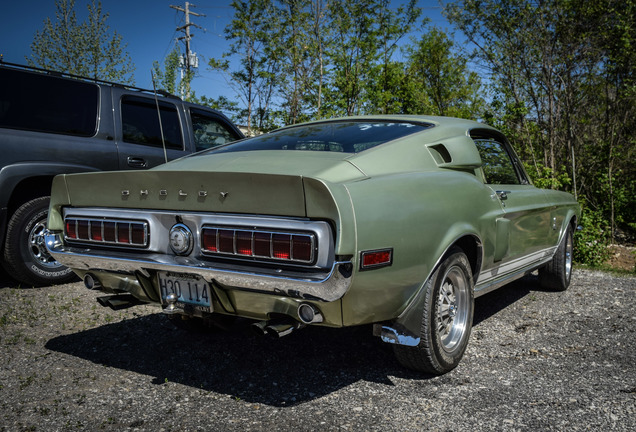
{"points": [[26, 258]]}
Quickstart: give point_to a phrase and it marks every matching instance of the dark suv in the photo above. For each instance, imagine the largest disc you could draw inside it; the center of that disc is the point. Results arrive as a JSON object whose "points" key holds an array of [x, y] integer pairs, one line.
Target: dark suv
{"points": [[52, 123]]}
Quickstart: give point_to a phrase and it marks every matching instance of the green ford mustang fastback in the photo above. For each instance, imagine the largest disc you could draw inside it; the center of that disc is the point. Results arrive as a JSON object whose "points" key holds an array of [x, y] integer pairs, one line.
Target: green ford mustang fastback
{"points": [[398, 221]]}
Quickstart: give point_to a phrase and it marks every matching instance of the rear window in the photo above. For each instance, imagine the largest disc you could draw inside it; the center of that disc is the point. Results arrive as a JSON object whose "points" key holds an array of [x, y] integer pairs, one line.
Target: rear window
{"points": [[340, 136], [43, 103]]}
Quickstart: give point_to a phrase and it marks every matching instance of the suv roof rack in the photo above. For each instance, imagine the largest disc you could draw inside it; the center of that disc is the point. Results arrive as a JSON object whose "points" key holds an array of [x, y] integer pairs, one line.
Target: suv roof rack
{"points": [[83, 78]]}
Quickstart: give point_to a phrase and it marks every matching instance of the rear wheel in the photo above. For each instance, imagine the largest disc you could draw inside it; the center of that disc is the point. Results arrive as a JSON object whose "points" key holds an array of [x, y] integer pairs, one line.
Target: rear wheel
{"points": [[556, 275], [25, 257], [446, 320]]}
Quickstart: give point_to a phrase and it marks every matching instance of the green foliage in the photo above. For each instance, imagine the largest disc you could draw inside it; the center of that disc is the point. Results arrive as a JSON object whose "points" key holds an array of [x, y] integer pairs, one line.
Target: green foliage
{"points": [[590, 243], [88, 49], [441, 82], [562, 76]]}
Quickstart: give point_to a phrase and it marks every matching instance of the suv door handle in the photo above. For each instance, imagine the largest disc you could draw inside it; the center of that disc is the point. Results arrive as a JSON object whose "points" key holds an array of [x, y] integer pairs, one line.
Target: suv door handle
{"points": [[136, 162]]}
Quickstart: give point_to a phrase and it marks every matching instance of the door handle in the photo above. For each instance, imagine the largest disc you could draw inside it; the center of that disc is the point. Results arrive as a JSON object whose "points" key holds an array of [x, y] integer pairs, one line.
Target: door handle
{"points": [[136, 162]]}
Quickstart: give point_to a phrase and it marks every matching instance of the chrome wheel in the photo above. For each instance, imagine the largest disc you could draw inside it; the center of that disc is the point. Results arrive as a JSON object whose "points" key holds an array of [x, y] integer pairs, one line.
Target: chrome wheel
{"points": [[569, 249], [37, 247], [447, 318], [453, 308]]}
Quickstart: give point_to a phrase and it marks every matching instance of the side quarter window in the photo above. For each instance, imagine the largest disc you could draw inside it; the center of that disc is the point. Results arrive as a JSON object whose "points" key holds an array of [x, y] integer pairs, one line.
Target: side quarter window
{"points": [[497, 165]]}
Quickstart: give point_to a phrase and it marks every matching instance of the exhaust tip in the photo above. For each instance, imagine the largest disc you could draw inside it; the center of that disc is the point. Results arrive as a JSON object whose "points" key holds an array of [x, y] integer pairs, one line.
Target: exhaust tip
{"points": [[259, 328], [308, 314], [91, 282]]}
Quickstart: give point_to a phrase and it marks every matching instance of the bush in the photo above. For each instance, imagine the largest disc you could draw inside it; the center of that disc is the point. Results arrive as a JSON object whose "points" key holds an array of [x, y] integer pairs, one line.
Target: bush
{"points": [[590, 243]]}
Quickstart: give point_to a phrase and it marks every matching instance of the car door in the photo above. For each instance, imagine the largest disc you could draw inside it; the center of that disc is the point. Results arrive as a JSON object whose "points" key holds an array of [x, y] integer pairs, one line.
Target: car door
{"points": [[149, 132], [523, 226]]}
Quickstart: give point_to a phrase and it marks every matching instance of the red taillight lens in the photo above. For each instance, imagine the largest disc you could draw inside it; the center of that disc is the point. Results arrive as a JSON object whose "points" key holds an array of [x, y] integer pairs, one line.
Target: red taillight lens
{"points": [[96, 231], [123, 233], [209, 239], [138, 233], [302, 247], [226, 241], [281, 246], [110, 232], [262, 244], [377, 258], [134, 233], [244, 243], [71, 229], [82, 229]]}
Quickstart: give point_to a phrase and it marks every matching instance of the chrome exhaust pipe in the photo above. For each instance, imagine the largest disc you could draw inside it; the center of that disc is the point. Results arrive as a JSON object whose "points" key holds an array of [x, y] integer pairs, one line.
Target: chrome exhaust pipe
{"points": [[283, 329], [277, 328], [309, 314], [91, 282], [259, 328], [119, 301]]}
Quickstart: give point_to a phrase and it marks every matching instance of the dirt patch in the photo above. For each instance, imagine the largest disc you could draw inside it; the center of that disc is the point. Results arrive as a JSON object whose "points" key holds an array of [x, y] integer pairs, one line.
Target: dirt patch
{"points": [[622, 257]]}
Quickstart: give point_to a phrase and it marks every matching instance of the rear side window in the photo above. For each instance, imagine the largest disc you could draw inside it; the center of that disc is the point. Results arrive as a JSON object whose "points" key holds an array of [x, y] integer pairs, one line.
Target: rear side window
{"points": [[209, 130], [497, 164], [140, 123], [43, 103]]}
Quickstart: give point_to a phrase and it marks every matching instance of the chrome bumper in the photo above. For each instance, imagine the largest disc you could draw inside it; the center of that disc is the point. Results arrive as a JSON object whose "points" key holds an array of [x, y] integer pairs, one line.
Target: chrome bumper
{"points": [[327, 286]]}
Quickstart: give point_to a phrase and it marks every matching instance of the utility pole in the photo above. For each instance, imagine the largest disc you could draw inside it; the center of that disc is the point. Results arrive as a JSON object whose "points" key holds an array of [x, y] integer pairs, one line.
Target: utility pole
{"points": [[190, 60]]}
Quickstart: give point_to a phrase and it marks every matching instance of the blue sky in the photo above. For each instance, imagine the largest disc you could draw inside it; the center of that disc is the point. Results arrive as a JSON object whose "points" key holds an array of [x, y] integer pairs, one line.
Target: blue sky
{"points": [[148, 27]]}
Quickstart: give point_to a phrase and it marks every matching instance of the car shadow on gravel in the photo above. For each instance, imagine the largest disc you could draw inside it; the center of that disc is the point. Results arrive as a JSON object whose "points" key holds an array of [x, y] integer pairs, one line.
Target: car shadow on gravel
{"points": [[308, 364]]}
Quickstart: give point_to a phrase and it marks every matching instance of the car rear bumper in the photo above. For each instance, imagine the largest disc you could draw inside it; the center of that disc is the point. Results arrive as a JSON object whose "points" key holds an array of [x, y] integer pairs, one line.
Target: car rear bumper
{"points": [[325, 286]]}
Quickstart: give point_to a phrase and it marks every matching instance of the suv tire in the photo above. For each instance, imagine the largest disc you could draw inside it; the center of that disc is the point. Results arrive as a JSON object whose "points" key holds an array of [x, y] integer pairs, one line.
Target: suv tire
{"points": [[25, 255]]}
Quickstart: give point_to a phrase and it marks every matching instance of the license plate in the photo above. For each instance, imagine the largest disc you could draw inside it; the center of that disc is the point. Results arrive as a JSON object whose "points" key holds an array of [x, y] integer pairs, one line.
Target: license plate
{"points": [[191, 290]]}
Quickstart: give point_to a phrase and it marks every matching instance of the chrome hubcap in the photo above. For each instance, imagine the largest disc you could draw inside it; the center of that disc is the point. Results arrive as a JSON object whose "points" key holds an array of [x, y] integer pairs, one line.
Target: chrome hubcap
{"points": [[452, 309], [37, 246]]}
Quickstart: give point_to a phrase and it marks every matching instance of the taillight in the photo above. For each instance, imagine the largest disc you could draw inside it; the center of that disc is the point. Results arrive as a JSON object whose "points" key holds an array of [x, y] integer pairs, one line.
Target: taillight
{"points": [[133, 233], [291, 247]]}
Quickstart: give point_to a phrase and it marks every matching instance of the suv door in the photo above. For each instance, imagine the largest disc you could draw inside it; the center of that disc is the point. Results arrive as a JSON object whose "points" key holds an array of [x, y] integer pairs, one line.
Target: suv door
{"points": [[148, 132]]}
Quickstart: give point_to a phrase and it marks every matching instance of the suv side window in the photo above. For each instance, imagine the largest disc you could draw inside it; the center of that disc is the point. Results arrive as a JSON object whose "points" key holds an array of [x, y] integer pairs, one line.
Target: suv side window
{"points": [[497, 165], [41, 103], [140, 123], [209, 131]]}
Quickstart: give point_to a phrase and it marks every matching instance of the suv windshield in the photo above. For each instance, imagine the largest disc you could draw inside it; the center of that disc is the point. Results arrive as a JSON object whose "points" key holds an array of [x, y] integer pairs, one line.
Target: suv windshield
{"points": [[339, 136]]}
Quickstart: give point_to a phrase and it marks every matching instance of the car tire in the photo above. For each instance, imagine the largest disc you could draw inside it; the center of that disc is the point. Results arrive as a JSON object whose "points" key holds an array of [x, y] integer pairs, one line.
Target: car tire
{"points": [[446, 320], [556, 275], [25, 256]]}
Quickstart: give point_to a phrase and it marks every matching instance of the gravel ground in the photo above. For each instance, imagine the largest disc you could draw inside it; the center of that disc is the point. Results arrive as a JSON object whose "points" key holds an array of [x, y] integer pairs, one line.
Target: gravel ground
{"points": [[537, 360]]}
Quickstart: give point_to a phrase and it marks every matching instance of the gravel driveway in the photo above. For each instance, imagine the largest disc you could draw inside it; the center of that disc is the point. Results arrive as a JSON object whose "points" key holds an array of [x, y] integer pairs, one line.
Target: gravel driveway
{"points": [[537, 360]]}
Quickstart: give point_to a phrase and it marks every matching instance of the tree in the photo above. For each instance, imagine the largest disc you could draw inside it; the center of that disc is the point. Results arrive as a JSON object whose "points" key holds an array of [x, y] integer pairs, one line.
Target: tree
{"points": [[169, 80], [563, 75], [87, 49], [441, 82], [256, 77]]}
